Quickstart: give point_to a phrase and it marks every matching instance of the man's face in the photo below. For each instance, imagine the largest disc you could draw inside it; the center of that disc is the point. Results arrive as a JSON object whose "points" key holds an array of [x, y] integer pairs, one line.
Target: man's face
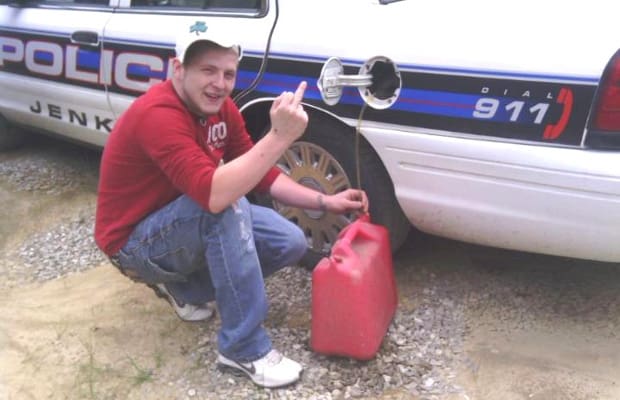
{"points": [[207, 80]]}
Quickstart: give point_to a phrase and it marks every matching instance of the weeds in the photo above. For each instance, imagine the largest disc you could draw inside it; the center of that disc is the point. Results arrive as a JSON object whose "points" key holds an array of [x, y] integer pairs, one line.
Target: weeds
{"points": [[94, 377], [89, 371], [142, 374]]}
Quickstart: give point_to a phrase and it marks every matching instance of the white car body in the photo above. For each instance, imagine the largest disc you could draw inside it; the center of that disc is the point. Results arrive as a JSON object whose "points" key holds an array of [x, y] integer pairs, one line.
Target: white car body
{"points": [[481, 145]]}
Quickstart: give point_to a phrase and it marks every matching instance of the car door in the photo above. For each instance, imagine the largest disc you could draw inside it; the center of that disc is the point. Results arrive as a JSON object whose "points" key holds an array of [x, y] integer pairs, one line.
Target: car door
{"points": [[50, 67], [140, 38]]}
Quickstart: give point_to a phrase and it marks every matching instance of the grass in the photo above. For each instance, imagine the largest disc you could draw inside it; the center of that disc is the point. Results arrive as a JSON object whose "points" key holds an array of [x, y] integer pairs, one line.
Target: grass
{"points": [[142, 375], [94, 377], [89, 371]]}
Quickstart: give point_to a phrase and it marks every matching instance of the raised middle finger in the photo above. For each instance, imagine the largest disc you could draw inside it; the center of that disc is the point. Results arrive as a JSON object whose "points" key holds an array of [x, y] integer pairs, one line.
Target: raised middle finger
{"points": [[299, 93]]}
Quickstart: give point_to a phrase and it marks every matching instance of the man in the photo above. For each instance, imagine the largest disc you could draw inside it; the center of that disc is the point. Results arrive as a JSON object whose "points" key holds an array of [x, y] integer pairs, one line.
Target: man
{"points": [[171, 211]]}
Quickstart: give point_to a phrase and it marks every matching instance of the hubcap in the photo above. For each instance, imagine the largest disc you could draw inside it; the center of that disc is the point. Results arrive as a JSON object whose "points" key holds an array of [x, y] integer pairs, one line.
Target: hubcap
{"points": [[314, 167]]}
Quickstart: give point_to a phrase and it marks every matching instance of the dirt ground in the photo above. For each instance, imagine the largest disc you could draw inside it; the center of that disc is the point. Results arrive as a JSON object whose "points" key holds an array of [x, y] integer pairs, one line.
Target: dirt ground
{"points": [[67, 338]]}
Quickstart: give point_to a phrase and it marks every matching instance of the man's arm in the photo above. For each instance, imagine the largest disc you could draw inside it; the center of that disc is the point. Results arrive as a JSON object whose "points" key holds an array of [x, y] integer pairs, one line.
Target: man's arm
{"points": [[236, 178], [291, 193]]}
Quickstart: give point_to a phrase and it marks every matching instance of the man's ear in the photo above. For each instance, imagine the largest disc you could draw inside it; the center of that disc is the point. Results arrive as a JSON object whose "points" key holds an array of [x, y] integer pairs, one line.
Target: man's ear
{"points": [[177, 69]]}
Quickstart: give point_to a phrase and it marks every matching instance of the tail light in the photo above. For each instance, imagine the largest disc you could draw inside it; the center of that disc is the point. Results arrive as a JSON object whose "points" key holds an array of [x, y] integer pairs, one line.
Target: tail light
{"points": [[604, 129]]}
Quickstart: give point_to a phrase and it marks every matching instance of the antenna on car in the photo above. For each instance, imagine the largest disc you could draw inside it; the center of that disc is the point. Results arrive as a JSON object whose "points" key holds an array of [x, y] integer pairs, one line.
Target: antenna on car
{"points": [[263, 65]]}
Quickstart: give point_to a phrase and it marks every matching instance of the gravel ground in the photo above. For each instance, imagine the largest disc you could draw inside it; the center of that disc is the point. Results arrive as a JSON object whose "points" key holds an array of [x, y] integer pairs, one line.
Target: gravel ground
{"points": [[418, 357], [448, 291], [52, 170]]}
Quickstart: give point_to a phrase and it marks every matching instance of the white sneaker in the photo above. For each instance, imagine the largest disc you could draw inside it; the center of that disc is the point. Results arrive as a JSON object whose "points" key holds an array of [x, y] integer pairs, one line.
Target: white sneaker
{"points": [[271, 371], [187, 312]]}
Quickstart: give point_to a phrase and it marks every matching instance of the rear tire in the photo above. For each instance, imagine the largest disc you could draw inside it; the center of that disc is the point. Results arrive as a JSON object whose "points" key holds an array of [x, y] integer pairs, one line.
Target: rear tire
{"points": [[324, 159]]}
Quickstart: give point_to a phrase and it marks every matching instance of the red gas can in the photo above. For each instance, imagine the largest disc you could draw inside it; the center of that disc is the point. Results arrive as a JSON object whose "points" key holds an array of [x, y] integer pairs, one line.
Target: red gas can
{"points": [[354, 295]]}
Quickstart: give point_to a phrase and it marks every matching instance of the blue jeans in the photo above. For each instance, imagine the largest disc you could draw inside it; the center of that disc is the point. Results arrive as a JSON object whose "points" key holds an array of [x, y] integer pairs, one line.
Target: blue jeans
{"points": [[201, 256]]}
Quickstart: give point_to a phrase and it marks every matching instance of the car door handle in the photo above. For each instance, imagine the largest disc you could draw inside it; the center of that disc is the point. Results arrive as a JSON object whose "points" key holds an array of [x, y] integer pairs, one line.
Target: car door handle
{"points": [[85, 37]]}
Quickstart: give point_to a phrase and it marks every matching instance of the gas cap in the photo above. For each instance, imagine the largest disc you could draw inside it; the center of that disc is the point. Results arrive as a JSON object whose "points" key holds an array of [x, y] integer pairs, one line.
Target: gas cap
{"points": [[378, 82]]}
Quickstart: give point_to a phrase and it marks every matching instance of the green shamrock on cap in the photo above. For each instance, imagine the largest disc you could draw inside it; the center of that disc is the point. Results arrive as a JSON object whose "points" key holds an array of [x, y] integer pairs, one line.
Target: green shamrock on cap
{"points": [[199, 26]]}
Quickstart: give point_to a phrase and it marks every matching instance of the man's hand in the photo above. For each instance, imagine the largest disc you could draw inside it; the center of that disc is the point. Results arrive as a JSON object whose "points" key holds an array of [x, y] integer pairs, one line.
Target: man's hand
{"points": [[288, 117], [239, 176], [346, 201]]}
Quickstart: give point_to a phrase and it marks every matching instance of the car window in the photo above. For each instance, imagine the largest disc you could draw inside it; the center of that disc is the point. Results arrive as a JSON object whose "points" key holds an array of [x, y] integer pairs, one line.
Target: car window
{"points": [[214, 5], [97, 3]]}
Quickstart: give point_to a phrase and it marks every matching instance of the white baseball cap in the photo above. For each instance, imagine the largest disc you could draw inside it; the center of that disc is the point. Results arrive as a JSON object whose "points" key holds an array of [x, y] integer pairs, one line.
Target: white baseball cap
{"points": [[199, 31]]}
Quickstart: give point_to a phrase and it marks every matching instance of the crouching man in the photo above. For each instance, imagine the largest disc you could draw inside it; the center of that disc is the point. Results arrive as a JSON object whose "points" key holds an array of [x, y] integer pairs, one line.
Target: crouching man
{"points": [[171, 207]]}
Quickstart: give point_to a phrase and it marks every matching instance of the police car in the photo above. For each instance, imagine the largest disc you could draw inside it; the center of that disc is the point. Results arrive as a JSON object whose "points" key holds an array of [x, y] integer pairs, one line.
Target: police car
{"points": [[482, 121]]}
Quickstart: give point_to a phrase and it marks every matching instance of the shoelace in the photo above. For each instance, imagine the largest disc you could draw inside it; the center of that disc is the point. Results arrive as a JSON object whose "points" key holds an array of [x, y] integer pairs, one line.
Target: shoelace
{"points": [[273, 357]]}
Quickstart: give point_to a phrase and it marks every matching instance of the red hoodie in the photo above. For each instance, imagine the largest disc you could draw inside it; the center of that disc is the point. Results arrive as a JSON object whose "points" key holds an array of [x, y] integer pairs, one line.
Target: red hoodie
{"points": [[157, 151]]}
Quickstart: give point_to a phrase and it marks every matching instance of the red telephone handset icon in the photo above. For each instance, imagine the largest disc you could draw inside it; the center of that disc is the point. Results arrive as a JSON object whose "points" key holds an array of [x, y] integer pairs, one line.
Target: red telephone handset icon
{"points": [[553, 131]]}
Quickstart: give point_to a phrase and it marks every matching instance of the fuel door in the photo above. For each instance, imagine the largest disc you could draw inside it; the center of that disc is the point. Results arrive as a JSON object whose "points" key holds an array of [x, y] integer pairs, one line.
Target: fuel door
{"points": [[378, 82]]}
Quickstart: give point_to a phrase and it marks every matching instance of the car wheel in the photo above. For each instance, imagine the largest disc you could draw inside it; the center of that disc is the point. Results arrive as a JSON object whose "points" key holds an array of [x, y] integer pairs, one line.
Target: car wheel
{"points": [[324, 159], [10, 137]]}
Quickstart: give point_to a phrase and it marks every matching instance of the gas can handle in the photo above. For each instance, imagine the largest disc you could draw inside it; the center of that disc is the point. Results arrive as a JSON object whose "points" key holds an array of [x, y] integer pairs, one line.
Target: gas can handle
{"points": [[347, 234]]}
